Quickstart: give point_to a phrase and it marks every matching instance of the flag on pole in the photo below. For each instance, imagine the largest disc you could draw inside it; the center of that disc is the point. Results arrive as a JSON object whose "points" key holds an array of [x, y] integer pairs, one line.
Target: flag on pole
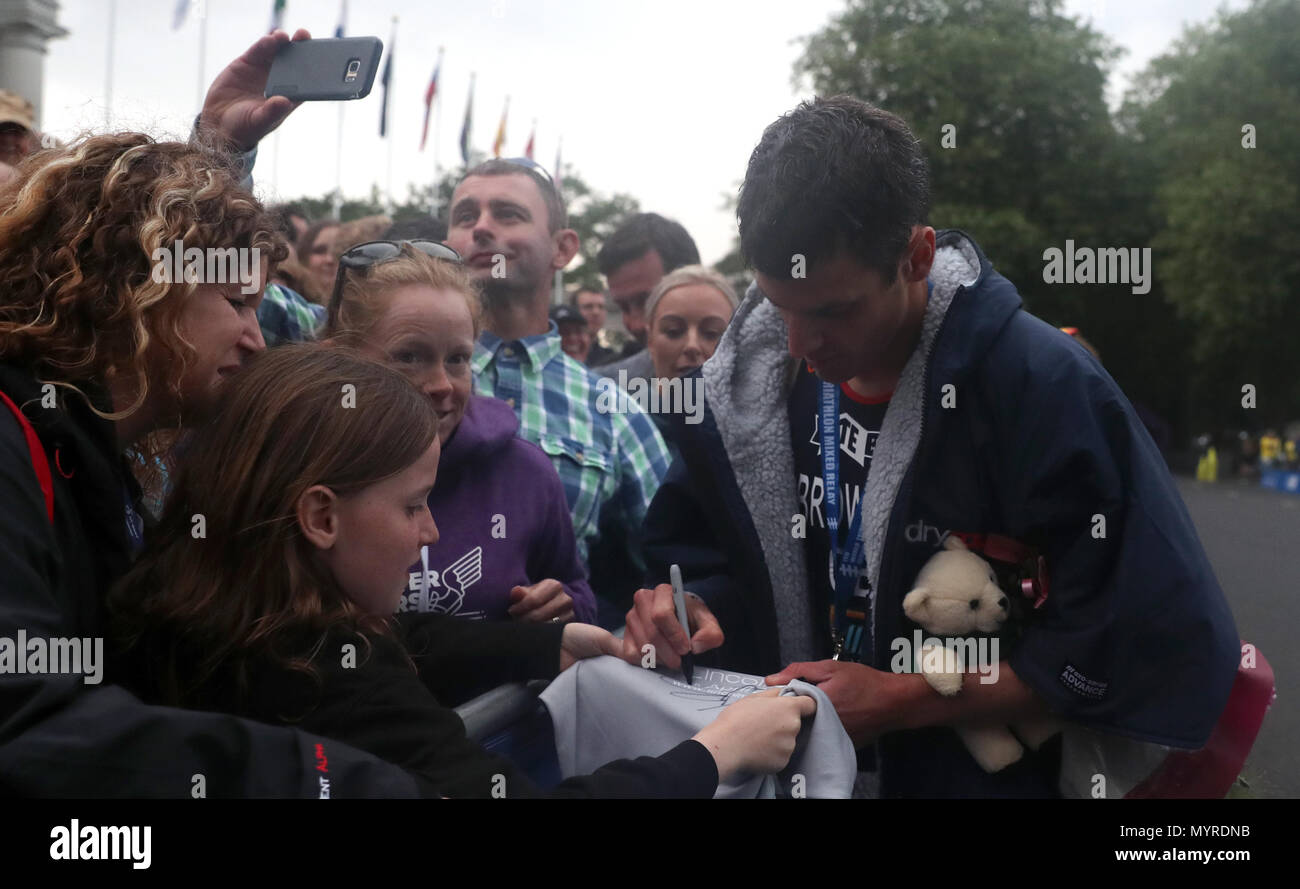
{"points": [[500, 140], [528, 149], [465, 127], [385, 79], [182, 9], [430, 94], [277, 15], [343, 19], [557, 177]]}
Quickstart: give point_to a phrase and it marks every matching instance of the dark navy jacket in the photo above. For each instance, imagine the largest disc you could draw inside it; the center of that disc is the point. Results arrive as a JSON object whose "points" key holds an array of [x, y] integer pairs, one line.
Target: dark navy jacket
{"points": [[1041, 445]]}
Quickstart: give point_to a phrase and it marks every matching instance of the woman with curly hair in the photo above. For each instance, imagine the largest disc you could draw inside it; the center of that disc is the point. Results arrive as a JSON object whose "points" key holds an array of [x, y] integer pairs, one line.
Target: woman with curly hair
{"points": [[102, 349]]}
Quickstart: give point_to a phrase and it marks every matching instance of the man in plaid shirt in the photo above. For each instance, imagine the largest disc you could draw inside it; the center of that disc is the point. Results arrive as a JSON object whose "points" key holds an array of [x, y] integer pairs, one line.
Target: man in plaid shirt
{"points": [[286, 317], [509, 224]]}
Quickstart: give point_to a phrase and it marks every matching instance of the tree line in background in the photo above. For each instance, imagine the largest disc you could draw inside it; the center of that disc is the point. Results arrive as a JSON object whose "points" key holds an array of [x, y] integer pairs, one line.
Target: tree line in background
{"points": [[1199, 163]]}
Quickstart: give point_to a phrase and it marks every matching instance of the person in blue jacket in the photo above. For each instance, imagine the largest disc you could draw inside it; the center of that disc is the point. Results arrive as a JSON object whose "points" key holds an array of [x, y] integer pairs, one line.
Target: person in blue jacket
{"points": [[957, 412]]}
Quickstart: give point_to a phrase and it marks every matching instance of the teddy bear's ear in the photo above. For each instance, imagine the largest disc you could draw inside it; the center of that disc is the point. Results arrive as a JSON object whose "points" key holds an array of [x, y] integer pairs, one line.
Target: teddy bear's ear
{"points": [[955, 542], [914, 602]]}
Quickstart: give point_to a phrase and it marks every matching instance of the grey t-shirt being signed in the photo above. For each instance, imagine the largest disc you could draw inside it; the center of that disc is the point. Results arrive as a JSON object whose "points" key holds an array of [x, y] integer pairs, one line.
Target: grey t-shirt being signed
{"points": [[605, 709]]}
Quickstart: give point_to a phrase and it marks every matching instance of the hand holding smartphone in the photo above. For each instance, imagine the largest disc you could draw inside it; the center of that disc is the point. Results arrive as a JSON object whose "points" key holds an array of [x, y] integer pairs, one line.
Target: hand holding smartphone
{"points": [[331, 69]]}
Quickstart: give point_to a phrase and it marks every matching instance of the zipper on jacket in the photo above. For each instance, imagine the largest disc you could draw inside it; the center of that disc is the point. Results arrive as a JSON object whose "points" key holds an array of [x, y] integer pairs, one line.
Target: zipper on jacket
{"points": [[905, 490]]}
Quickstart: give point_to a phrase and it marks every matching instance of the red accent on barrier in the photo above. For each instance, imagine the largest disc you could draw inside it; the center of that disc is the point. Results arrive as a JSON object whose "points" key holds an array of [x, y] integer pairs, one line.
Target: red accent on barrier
{"points": [[1208, 773]]}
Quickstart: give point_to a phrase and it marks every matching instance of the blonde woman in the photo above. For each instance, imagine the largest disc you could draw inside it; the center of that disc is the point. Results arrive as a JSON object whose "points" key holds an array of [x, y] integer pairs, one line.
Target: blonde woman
{"points": [[508, 551]]}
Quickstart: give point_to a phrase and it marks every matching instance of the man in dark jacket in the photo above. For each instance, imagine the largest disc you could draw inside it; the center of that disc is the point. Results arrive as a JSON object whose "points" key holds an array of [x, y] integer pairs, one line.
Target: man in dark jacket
{"points": [[958, 413]]}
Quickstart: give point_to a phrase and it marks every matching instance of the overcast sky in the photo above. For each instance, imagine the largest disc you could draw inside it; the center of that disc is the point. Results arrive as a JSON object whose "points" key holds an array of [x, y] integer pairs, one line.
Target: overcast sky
{"points": [[663, 100]]}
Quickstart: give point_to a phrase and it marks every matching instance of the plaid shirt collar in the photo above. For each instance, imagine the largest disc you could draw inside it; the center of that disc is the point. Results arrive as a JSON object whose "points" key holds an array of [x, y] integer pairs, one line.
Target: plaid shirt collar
{"points": [[539, 349]]}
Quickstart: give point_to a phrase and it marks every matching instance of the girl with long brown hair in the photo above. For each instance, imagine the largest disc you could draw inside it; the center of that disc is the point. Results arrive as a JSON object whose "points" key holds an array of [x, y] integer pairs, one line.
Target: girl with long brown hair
{"points": [[282, 610]]}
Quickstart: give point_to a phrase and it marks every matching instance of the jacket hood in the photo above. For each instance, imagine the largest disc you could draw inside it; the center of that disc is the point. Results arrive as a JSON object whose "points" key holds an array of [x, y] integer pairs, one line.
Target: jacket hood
{"points": [[488, 426]]}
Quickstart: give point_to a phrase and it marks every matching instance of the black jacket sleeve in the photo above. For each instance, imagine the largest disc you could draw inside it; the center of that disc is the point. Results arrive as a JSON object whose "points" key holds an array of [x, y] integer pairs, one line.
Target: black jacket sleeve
{"points": [[454, 655], [382, 706], [693, 522], [62, 737], [678, 531]]}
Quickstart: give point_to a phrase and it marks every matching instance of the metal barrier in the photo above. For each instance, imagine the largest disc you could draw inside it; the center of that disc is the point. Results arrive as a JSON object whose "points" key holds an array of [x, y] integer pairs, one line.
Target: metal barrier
{"points": [[498, 709], [1281, 480], [506, 705]]}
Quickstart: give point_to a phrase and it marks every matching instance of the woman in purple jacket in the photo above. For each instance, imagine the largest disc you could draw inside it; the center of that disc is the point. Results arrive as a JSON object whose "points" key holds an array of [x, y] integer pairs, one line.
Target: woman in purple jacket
{"points": [[507, 547]]}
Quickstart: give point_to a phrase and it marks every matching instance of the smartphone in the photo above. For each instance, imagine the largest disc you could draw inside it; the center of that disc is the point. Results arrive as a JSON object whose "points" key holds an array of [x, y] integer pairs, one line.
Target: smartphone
{"points": [[330, 69]]}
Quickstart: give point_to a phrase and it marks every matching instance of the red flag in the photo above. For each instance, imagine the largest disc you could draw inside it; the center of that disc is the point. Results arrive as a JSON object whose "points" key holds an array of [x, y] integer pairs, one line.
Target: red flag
{"points": [[528, 149], [429, 94]]}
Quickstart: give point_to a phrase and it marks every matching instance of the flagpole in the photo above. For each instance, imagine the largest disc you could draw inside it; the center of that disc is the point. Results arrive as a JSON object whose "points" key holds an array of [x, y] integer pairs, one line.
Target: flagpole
{"points": [[388, 93], [338, 167], [275, 167], [108, 67], [557, 294], [203, 46], [437, 151]]}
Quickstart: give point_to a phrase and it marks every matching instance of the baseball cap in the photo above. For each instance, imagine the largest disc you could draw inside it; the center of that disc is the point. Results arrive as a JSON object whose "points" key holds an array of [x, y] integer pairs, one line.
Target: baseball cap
{"points": [[15, 109], [566, 313]]}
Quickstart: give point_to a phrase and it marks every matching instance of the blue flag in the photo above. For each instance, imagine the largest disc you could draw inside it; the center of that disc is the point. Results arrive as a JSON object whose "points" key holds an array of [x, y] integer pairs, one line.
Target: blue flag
{"points": [[469, 119]]}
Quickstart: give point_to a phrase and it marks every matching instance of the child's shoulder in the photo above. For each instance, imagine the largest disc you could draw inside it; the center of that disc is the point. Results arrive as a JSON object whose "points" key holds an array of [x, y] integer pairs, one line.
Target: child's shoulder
{"points": [[320, 669]]}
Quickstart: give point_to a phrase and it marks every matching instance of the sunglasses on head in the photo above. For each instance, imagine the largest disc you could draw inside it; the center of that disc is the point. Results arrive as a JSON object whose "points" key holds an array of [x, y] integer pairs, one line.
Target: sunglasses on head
{"points": [[363, 256], [530, 164]]}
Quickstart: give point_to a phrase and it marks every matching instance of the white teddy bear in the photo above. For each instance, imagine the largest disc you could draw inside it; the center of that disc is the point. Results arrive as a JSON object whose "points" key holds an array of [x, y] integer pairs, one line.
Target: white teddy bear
{"points": [[957, 595]]}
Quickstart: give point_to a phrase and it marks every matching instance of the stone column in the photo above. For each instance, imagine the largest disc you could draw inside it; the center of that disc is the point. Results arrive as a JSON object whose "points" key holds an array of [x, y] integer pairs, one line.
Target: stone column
{"points": [[25, 27]]}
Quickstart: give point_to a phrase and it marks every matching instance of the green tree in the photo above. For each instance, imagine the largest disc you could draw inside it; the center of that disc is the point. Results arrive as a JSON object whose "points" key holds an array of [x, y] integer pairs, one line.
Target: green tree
{"points": [[1008, 99], [733, 266], [1228, 213]]}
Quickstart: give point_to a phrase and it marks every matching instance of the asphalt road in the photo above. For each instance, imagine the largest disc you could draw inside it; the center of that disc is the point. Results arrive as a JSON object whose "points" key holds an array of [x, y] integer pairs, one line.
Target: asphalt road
{"points": [[1252, 534]]}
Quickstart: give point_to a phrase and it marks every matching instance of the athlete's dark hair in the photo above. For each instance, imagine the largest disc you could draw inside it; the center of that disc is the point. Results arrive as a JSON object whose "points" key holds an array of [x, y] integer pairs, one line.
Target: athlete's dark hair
{"points": [[833, 174], [642, 232]]}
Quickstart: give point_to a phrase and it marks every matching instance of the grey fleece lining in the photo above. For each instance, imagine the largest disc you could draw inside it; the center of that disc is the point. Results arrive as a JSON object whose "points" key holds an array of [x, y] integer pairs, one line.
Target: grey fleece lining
{"points": [[747, 384]]}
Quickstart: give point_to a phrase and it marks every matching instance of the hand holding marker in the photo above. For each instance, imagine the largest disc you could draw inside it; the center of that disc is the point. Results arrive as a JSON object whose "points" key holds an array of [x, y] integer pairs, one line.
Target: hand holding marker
{"points": [[679, 601]]}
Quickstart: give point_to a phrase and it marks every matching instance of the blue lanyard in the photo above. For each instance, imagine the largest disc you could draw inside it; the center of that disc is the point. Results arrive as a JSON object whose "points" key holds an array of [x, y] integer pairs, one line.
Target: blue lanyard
{"points": [[849, 561]]}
